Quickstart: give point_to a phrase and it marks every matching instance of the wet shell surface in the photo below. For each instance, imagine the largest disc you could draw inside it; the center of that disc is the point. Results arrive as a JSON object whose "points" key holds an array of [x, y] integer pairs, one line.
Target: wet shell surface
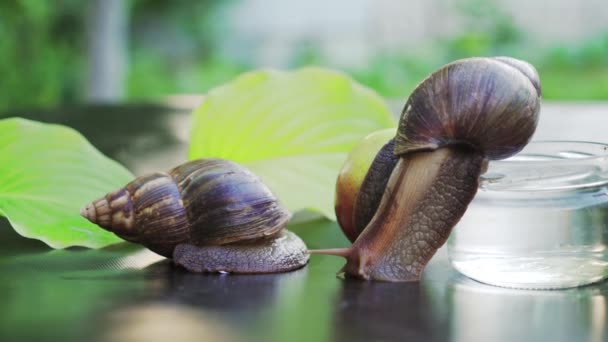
{"points": [[489, 104], [203, 202]]}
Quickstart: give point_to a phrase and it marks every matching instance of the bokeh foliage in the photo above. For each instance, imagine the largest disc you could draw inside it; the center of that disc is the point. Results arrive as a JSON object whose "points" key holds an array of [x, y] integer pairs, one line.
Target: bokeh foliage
{"points": [[174, 47], [41, 52], [577, 71]]}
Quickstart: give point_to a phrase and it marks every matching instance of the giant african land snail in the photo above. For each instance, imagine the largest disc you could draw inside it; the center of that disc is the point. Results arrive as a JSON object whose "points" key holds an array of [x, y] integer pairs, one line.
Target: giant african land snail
{"points": [[422, 181], [209, 215]]}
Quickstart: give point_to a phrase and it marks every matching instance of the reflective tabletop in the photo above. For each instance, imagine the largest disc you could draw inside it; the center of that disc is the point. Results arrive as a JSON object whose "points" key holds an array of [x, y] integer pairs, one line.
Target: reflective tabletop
{"points": [[126, 293]]}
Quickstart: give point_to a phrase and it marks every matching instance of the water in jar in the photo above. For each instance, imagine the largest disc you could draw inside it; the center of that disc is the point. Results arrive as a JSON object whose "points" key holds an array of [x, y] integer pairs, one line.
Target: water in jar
{"points": [[539, 220]]}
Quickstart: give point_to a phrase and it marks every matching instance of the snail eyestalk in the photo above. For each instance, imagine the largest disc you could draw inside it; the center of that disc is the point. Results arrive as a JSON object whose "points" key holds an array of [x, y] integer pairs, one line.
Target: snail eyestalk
{"points": [[341, 252]]}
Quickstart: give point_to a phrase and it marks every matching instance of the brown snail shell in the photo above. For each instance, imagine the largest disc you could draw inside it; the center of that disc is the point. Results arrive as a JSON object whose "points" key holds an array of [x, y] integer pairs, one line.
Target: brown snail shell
{"points": [[489, 104], [201, 203]]}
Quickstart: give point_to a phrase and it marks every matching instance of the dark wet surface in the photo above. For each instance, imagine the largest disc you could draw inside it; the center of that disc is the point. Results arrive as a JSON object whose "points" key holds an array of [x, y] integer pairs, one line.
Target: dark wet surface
{"points": [[123, 292]]}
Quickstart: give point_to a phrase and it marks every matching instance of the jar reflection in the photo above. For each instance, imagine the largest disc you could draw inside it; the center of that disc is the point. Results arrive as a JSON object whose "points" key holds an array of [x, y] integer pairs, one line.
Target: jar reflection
{"points": [[479, 312]]}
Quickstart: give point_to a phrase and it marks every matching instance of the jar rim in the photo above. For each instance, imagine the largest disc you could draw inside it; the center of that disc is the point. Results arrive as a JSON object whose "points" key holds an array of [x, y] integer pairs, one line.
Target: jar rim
{"points": [[550, 165], [600, 151]]}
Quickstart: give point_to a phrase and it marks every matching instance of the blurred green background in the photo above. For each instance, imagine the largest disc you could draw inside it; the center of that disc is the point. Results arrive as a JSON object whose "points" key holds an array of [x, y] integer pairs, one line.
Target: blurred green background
{"points": [[71, 51]]}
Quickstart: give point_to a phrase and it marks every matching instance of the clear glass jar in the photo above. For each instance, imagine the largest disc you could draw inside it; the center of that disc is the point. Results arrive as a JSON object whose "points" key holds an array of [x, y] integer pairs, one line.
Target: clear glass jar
{"points": [[539, 219]]}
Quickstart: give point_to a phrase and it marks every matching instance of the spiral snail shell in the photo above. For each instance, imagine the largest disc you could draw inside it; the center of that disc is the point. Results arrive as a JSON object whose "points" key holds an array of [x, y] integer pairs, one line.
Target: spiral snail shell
{"points": [[207, 214]]}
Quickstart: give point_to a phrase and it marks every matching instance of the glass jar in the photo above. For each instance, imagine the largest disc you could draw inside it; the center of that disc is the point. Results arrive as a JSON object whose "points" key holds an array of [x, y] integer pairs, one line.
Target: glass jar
{"points": [[539, 219]]}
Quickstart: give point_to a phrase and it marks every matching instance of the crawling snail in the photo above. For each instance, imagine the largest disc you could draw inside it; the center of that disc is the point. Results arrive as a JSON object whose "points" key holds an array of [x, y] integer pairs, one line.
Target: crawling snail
{"points": [[421, 182], [209, 215]]}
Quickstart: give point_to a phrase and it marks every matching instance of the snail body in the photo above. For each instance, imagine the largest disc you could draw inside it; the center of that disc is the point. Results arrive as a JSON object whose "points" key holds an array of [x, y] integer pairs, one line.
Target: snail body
{"points": [[205, 207], [422, 180]]}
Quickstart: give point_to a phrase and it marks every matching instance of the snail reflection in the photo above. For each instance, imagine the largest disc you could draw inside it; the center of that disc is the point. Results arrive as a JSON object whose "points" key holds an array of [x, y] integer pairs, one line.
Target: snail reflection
{"points": [[236, 295], [380, 311], [162, 322], [184, 306]]}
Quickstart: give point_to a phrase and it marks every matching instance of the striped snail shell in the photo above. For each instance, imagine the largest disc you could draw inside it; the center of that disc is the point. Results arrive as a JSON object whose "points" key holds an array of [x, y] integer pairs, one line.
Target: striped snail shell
{"points": [[206, 207]]}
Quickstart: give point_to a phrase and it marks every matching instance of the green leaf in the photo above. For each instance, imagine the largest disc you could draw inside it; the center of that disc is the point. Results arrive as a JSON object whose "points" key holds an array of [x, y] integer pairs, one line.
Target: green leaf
{"points": [[293, 129], [48, 172]]}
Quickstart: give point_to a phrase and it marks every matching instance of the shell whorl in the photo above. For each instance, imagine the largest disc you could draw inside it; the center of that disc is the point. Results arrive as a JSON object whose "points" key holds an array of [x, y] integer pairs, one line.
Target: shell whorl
{"points": [[147, 210], [202, 202], [489, 104], [113, 211]]}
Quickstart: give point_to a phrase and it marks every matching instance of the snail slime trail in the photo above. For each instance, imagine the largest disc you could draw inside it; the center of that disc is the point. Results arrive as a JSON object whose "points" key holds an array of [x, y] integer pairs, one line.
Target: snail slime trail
{"points": [[209, 215], [462, 115]]}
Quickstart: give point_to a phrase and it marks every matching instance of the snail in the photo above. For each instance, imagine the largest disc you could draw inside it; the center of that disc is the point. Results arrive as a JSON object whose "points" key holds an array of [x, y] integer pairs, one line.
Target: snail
{"points": [[421, 181], [209, 215]]}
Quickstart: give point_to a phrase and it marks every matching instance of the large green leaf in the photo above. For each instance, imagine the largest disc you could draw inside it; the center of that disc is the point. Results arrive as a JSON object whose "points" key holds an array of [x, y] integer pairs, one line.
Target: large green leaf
{"points": [[47, 173], [293, 129]]}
